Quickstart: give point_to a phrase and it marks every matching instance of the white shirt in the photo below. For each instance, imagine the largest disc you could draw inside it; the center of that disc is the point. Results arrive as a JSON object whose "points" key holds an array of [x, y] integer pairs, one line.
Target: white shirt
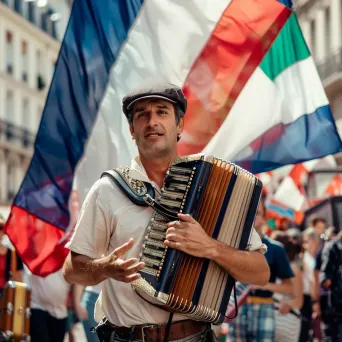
{"points": [[50, 293], [309, 263], [107, 220]]}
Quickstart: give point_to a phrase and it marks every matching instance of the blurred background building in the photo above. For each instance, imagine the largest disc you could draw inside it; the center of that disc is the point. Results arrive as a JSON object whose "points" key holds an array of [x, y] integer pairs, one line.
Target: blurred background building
{"points": [[321, 23], [31, 32]]}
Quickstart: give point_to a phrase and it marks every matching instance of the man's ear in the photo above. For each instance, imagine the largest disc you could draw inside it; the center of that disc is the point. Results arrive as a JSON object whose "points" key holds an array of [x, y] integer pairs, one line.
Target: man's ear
{"points": [[180, 126], [131, 129]]}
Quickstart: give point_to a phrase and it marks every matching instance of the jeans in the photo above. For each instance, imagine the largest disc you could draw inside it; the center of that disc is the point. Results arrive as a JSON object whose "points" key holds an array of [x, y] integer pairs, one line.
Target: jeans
{"points": [[45, 328], [306, 324], [88, 301]]}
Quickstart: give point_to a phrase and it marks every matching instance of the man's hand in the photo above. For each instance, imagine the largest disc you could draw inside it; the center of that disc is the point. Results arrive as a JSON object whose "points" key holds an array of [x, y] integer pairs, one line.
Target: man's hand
{"points": [[81, 312], [284, 308], [118, 268], [316, 310], [188, 236]]}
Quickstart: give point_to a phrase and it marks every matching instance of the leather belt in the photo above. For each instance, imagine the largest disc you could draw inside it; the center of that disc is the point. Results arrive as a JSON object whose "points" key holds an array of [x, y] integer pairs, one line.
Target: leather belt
{"points": [[259, 300], [178, 330]]}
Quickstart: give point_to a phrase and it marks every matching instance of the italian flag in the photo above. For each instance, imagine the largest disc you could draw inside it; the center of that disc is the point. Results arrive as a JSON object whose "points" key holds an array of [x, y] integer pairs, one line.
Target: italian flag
{"points": [[281, 116]]}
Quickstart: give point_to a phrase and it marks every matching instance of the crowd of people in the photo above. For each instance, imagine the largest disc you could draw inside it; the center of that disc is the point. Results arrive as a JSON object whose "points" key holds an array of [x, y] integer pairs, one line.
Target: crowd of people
{"points": [[303, 300]]}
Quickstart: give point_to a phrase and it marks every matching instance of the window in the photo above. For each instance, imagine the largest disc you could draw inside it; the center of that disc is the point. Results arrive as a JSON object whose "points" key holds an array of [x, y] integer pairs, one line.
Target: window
{"points": [[54, 30], [24, 64], [18, 6], [9, 52], [327, 31], [11, 172], [40, 77], [9, 107], [44, 22], [25, 122], [32, 12], [312, 37]]}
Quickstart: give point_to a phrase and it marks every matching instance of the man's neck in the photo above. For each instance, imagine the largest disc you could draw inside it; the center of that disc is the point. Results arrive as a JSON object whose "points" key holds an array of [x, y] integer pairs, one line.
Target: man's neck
{"points": [[156, 169]]}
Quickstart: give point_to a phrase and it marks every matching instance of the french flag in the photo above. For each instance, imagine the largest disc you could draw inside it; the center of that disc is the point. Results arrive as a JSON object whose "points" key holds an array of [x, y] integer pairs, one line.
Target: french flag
{"points": [[254, 98]]}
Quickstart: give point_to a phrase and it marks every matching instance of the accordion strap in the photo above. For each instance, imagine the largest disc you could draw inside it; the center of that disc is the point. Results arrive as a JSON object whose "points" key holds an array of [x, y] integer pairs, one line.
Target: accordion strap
{"points": [[134, 189], [139, 192], [161, 210]]}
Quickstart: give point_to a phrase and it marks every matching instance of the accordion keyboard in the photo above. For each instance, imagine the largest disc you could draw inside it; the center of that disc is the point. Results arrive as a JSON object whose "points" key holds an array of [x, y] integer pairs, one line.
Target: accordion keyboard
{"points": [[174, 193]]}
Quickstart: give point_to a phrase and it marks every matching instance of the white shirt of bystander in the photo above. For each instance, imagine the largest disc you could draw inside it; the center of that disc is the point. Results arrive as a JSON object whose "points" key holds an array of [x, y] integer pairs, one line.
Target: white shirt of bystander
{"points": [[50, 293]]}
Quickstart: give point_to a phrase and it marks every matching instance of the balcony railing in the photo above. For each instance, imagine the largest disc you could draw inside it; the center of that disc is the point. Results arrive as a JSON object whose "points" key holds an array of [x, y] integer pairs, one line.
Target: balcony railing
{"points": [[16, 135], [332, 65]]}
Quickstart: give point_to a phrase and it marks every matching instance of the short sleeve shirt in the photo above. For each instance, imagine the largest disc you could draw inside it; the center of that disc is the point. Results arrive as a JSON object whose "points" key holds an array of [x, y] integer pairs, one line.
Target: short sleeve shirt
{"points": [[108, 219], [280, 267]]}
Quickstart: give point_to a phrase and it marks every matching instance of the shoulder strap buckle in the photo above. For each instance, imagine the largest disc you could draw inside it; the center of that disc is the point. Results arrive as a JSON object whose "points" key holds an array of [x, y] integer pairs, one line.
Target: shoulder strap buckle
{"points": [[134, 189]]}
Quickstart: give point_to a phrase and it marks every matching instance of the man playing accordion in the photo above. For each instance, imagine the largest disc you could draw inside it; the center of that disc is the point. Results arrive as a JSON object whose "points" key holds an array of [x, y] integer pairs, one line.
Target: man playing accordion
{"points": [[107, 240]]}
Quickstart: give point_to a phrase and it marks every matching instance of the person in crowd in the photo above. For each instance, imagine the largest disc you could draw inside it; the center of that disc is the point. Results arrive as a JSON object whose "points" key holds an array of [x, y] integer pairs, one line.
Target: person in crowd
{"points": [[84, 306], [49, 314], [331, 281], [284, 224], [320, 296], [11, 266], [311, 246], [319, 224], [288, 319], [256, 319]]}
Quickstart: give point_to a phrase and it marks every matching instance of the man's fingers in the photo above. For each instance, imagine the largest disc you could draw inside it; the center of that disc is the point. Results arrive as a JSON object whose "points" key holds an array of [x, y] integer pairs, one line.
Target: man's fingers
{"points": [[171, 244], [127, 263], [175, 224], [122, 250], [171, 230], [171, 236], [135, 268], [186, 218], [131, 278]]}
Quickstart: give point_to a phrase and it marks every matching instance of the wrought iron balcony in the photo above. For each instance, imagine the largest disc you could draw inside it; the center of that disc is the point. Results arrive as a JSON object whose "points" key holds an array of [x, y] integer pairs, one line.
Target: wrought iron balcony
{"points": [[332, 65], [16, 135]]}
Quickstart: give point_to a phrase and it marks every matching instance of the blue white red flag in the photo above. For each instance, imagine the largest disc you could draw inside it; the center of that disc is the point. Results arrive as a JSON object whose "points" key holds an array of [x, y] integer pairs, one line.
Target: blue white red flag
{"points": [[254, 97]]}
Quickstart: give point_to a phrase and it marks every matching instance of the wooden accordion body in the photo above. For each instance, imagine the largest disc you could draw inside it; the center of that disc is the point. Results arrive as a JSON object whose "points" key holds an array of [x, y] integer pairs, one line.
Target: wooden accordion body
{"points": [[15, 311], [223, 198]]}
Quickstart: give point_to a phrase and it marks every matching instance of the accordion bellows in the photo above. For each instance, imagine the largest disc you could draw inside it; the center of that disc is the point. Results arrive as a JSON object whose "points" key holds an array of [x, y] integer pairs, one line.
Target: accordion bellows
{"points": [[223, 198]]}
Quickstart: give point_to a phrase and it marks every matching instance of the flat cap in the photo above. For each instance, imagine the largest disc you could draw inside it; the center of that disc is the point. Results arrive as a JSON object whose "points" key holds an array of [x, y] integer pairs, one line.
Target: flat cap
{"points": [[162, 90]]}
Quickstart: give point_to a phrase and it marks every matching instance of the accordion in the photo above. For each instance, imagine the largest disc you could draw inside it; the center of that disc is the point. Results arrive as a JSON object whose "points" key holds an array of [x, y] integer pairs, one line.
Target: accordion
{"points": [[223, 198], [15, 312]]}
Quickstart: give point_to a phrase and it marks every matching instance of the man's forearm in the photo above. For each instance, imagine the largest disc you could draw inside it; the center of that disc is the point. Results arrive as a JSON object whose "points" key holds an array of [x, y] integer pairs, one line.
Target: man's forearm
{"points": [[244, 266], [82, 270], [77, 292], [285, 287]]}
